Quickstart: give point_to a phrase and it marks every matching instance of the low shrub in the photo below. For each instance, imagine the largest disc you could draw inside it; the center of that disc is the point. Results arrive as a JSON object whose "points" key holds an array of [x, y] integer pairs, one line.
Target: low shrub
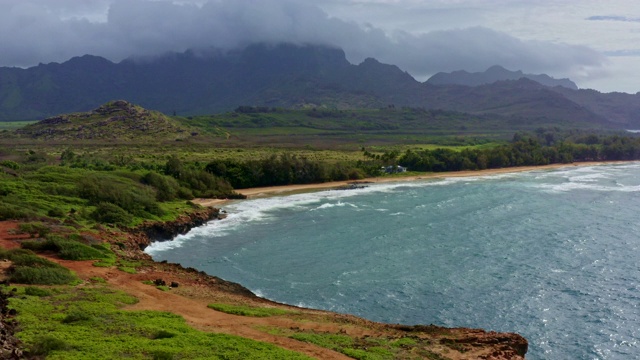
{"points": [[162, 355], [68, 249], [14, 212], [56, 212], [34, 228], [46, 245], [75, 316], [46, 344], [10, 164], [71, 250], [35, 291], [247, 310], [29, 268], [108, 213], [41, 276], [163, 334]]}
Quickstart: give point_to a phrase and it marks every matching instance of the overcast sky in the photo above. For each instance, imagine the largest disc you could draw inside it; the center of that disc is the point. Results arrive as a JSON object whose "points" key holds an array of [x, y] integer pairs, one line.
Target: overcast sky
{"points": [[596, 43]]}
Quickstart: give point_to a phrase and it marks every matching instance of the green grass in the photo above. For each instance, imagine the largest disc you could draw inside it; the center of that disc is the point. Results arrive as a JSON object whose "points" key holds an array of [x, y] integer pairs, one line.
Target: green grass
{"points": [[367, 348], [362, 349], [87, 323], [12, 125], [244, 310]]}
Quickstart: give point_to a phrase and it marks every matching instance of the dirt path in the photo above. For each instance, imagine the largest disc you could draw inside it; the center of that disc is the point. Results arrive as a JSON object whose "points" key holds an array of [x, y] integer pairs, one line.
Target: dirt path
{"points": [[195, 312]]}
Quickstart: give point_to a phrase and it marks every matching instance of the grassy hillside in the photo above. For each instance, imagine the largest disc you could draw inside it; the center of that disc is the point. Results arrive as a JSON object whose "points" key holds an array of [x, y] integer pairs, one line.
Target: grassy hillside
{"points": [[114, 121]]}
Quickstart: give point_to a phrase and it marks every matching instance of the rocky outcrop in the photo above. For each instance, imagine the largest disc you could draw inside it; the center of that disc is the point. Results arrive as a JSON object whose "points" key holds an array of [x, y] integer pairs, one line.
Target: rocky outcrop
{"points": [[165, 231], [9, 344], [488, 345]]}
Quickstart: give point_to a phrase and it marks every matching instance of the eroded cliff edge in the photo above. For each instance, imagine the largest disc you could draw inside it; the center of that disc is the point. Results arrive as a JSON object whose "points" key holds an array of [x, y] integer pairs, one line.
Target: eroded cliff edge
{"points": [[445, 343]]}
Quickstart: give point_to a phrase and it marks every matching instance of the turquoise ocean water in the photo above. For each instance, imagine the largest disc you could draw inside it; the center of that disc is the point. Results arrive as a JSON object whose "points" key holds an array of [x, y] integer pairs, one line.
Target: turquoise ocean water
{"points": [[552, 255]]}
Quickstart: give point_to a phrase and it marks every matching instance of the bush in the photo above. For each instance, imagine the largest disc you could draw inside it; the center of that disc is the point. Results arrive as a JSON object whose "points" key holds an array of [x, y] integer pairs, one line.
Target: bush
{"points": [[34, 229], [28, 268], [75, 316], [10, 164], [41, 276], [56, 212], [167, 188], [24, 258], [35, 291], [68, 249], [71, 250], [162, 355], [127, 194], [46, 344], [13, 212], [111, 214], [163, 334], [46, 245]]}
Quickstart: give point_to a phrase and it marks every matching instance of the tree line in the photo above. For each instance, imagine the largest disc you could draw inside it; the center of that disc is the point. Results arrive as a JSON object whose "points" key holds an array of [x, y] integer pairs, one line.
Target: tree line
{"points": [[527, 149], [282, 169]]}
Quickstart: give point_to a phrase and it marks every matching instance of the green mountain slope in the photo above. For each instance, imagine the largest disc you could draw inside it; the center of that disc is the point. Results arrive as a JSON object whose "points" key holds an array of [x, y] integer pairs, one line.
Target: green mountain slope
{"points": [[285, 75]]}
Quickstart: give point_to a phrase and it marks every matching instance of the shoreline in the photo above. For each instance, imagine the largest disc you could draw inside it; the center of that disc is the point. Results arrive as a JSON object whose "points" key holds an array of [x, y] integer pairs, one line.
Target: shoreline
{"points": [[284, 190], [513, 344]]}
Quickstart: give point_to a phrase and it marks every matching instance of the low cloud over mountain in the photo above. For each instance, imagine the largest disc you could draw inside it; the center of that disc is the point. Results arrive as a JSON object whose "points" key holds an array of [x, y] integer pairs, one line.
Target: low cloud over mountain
{"points": [[35, 31]]}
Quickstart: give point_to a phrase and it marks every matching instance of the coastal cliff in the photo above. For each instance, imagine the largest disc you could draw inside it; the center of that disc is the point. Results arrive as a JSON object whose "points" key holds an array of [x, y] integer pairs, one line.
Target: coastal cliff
{"points": [[447, 343]]}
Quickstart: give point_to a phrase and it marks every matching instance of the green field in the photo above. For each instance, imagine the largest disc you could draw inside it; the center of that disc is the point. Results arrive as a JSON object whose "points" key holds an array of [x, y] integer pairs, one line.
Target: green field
{"points": [[12, 125]]}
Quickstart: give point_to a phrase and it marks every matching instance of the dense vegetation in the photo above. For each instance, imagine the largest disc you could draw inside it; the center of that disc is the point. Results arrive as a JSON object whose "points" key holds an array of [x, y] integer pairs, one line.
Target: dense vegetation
{"points": [[283, 170], [82, 189], [539, 148]]}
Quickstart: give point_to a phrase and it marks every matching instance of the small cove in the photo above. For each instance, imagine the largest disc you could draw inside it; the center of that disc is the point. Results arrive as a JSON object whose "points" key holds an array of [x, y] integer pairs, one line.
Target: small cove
{"points": [[548, 254]]}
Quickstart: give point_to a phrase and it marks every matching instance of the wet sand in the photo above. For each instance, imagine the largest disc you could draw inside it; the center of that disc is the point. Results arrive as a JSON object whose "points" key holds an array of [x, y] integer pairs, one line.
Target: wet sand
{"points": [[290, 189]]}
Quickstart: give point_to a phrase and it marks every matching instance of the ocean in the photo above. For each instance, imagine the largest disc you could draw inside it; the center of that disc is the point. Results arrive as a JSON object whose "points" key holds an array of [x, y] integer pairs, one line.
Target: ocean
{"points": [[550, 254]]}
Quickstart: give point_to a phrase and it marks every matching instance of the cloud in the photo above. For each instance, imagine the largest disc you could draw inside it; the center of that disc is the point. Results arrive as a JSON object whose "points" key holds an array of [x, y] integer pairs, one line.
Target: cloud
{"points": [[613, 18], [32, 31]]}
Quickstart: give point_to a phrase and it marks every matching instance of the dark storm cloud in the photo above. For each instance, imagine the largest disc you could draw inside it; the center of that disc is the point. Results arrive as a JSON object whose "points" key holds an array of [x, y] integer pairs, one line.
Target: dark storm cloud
{"points": [[32, 32]]}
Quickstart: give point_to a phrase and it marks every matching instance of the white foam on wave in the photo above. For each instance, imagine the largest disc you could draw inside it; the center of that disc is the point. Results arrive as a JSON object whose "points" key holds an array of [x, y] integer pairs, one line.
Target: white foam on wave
{"points": [[601, 178], [241, 213], [570, 186], [180, 240], [338, 204]]}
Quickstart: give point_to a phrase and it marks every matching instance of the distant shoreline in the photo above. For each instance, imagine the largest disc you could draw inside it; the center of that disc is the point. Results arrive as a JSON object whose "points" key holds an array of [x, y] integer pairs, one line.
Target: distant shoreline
{"points": [[284, 190]]}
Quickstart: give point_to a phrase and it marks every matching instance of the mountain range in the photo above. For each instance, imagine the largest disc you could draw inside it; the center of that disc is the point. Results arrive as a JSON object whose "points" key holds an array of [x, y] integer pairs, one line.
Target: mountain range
{"points": [[494, 74], [292, 76]]}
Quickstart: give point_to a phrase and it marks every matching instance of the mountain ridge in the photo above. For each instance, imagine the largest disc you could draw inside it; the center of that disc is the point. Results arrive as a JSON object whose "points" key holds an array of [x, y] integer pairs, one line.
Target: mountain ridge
{"points": [[493, 74], [283, 75]]}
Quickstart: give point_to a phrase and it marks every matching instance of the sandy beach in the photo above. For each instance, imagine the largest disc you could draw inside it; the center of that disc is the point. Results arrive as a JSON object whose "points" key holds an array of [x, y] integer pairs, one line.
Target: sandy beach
{"points": [[289, 189]]}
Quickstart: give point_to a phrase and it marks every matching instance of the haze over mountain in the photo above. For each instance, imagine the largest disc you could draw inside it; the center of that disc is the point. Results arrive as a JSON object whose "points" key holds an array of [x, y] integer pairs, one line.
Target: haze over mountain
{"points": [[285, 75], [493, 74], [42, 31]]}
